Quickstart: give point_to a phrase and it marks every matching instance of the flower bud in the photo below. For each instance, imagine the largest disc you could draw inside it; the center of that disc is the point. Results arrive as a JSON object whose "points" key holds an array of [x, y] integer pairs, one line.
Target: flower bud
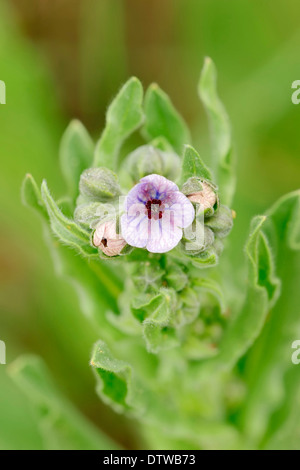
{"points": [[197, 238], [203, 193], [221, 222], [176, 277], [99, 184], [91, 213], [187, 309], [147, 275], [106, 238], [148, 160]]}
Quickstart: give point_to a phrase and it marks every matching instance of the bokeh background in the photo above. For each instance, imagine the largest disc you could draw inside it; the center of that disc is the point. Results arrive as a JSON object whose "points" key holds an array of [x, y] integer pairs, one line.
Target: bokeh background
{"points": [[64, 59]]}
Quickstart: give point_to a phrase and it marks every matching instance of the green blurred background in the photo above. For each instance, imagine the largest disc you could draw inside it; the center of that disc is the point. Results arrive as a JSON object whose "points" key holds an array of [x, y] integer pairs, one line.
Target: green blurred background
{"points": [[66, 59]]}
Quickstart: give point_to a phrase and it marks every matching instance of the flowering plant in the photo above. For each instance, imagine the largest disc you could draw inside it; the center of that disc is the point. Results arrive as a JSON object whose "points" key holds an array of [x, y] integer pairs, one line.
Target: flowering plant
{"points": [[150, 226]]}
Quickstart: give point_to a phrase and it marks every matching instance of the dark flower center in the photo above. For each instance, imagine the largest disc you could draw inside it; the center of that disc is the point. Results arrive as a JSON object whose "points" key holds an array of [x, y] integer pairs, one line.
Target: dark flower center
{"points": [[154, 208], [104, 242]]}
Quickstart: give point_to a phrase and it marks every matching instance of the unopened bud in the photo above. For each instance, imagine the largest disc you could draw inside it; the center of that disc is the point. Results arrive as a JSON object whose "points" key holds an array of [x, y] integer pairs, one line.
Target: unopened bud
{"points": [[91, 213], [203, 193], [148, 160], [99, 183], [197, 238], [221, 222], [106, 238]]}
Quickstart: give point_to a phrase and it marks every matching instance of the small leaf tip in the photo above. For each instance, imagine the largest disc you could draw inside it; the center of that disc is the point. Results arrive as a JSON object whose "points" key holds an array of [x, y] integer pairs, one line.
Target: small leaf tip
{"points": [[154, 86]]}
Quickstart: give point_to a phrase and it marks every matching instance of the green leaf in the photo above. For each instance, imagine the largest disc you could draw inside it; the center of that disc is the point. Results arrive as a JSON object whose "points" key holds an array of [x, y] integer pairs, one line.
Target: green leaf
{"points": [[158, 335], [76, 154], [162, 119], [192, 165], [66, 205], [61, 426], [262, 291], [19, 428], [154, 310], [223, 161], [161, 143], [119, 386], [147, 275], [31, 195], [116, 385], [211, 286], [283, 427], [144, 304], [124, 116], [187, 308], [269, 371], [176, 277], [206, 259], [66, 229], [95, 283], [285, 217]]}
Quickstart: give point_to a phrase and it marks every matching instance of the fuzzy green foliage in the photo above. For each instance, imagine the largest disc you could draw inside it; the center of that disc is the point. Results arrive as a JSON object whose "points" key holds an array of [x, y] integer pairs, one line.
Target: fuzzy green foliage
{"points": [[174, 350]]}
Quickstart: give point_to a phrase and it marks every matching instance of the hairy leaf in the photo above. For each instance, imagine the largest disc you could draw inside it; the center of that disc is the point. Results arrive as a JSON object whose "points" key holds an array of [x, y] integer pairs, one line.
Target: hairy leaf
{"points": [[262, 291], [192, 165], [66, 229], [205, 259], [211, 286], [269, 371], [116, 386], [162, 119], [158, 335], [124, 116], [76, 154], [31, 195], [162, 144], [119, 386], [223, 161]]}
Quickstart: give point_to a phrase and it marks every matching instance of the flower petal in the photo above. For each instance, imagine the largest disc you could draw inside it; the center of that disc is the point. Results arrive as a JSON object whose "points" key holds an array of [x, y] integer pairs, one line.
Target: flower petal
{"points": [[159, 183], [163, 236], [157, 234], [114, 247], [134, 226], [99, 234], [180, 209]]}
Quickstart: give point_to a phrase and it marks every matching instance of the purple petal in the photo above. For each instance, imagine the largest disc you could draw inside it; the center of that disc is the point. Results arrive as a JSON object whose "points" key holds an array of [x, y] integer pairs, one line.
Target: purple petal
{"points": [[163, 236], [150, 187], [181, 208], [158, 183], [134, 226], [175, 211]]}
